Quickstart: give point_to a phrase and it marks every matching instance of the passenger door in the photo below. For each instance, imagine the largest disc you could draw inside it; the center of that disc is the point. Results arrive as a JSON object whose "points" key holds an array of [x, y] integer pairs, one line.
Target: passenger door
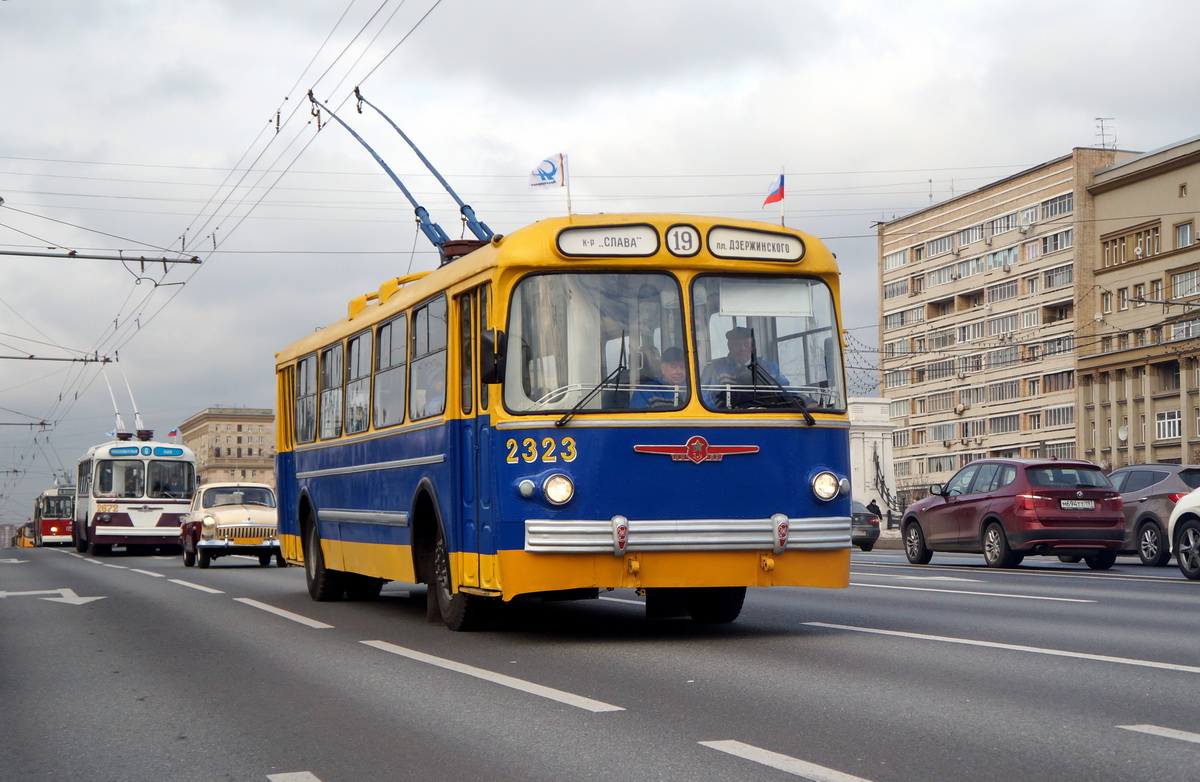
{"points": [[975, 503], [940, 522]]}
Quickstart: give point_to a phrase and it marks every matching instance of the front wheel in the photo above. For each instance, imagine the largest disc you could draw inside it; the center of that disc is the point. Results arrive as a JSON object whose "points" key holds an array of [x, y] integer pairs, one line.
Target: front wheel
{"points": [[1101, 560], [1151, 545], [323, 585], [264, 560], [203, 558], [280, 561], [996, 552], [1187, 549], [714, 605], [914, 545], [459, 610]]}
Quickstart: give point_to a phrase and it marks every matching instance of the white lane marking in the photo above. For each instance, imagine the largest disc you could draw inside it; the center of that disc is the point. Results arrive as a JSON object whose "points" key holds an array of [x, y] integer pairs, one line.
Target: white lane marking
{"points": [[1169, 733], [294, 776], [92, 561], [304, 620], [118, 567], [147, 572], [929, 578], [791, 765], [202, 588], [542, 691], [1015, 648], [624, 600], [968, 592]]}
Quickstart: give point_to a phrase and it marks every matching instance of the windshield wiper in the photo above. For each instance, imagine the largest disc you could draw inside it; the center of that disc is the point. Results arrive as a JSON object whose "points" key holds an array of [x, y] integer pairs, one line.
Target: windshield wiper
{"points": [[784, 397], [615, 374]]}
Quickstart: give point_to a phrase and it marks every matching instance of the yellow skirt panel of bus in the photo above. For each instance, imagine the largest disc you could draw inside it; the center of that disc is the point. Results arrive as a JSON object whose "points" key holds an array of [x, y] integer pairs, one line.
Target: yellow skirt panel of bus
{"points": [[524, 572]]}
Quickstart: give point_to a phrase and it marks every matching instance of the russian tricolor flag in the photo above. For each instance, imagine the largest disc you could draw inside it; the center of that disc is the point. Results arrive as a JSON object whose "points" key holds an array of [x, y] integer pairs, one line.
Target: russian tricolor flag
{"points": [[173, 433], [776, 191]]}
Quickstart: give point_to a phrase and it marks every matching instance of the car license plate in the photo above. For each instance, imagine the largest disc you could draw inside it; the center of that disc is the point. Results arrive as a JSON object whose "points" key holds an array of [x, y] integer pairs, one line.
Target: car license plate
{"points": [[1077, 504]]}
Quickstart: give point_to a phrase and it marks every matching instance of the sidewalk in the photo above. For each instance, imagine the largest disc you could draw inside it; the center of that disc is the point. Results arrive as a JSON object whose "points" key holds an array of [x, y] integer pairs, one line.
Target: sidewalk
{"points": [[890, 539]]}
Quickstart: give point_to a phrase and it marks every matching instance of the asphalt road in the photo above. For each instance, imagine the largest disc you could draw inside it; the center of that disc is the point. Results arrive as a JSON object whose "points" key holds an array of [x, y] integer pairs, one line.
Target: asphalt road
{"points": [[939, 672]]}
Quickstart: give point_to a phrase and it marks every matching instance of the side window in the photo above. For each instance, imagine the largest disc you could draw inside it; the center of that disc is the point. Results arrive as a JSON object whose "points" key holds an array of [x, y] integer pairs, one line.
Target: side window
{"points": [[331, 392], [959, 484], [306, 400], [427, 381], [466, 356], [1138, 480], [1005, 477], [985, 478], [484, 293], [358, 382], [391, 359], [1118, 480]]}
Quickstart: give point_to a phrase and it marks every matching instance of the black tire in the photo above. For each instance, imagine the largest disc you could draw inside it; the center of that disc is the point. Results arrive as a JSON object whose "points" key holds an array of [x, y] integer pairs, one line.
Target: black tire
{"points": [[996, 552], [81, 544], [264, 560], [866, 546], [323, 585], [914, 544], [460, 611], [1152, 545], [280, 561], [189, 558], [1187, 549], [1068, 560], [203, 558], [99, 549], [1101, 560], [714, 605]]}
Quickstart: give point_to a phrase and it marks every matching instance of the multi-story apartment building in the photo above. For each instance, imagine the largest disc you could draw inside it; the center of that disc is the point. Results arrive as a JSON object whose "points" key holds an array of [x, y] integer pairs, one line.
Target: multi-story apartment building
{"points": [[1138, 372], [232, 444], [979, 297]]}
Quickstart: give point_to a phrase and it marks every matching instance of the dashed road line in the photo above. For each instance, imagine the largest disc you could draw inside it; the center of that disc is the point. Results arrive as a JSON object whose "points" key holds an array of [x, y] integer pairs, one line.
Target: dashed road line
{"points": [[1170, 733], [542, 691], [765, 757], [147, 572], [1014, 648], [201, 587], [968, 592], [304, 620]]}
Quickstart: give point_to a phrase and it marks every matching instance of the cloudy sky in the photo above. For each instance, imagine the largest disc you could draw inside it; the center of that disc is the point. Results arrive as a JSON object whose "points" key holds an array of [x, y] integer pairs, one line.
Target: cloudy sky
{"points": [[164, 130]]}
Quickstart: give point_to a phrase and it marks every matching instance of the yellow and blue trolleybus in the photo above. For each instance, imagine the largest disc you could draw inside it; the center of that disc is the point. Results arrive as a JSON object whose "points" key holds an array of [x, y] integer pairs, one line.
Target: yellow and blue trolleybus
{"points": [[645, 401]]}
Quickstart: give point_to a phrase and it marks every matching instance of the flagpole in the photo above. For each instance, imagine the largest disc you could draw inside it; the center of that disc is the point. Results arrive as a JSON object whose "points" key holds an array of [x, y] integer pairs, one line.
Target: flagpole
{"points": [[782, 199], [567, 183]]}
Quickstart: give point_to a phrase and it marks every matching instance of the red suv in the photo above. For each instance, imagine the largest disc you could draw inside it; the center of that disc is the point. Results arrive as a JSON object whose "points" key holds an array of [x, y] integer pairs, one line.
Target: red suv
{"points": [[1012, 508]]}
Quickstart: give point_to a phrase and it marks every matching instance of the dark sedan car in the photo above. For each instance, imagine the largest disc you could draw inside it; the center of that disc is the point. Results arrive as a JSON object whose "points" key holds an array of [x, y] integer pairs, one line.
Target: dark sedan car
{"points": [[1150, 492], [1008, 509], [864, 530]]}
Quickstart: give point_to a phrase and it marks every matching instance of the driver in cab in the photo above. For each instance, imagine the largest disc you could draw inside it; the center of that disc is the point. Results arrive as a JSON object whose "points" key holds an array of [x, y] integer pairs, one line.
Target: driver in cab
{"points": [[734, 369]]}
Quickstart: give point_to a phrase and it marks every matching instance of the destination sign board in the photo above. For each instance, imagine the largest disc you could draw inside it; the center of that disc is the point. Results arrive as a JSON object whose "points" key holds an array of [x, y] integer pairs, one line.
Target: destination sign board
{"points": [[607, 241], [750, 245]]}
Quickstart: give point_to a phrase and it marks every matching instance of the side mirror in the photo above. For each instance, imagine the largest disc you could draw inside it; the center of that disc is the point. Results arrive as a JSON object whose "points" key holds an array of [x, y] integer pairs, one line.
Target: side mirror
{"points": [[936, 489], [493, 345]]}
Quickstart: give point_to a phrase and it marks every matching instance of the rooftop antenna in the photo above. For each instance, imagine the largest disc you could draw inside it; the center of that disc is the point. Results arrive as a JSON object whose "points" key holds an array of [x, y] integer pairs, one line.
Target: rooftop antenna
{"points": [[479, 229], [1102, 133]]}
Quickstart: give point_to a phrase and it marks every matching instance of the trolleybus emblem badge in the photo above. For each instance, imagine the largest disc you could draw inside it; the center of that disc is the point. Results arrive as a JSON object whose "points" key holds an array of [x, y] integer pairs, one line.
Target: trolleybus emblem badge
{"points": [[696, 450]]}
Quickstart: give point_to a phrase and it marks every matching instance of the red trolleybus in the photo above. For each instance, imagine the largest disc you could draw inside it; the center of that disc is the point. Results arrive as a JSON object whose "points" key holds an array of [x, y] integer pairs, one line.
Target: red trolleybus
{"points": [[132, 493], [643, 401], [53, 512]]}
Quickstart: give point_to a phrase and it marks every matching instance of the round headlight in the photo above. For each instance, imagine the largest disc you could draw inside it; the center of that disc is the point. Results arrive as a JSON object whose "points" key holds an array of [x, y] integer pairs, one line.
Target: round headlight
{"points": [[558, 489], [209, 522], [826, 485]]}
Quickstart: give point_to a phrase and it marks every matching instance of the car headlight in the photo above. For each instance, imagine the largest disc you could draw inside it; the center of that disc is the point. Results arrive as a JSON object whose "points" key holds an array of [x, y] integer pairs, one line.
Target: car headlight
{"points": [[558, 489], [209, 522], [826, 485]]}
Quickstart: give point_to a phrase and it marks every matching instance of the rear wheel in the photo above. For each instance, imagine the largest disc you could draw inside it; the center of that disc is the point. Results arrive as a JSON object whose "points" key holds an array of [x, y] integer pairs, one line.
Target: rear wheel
{"points": [[1187, 549], [1151, 545], [323, 585], [1101, 560], [459, 610], [99, 549], [996, 552], [867, 546], [189, 558], [80, 543], [914, 545], [714, 605]]}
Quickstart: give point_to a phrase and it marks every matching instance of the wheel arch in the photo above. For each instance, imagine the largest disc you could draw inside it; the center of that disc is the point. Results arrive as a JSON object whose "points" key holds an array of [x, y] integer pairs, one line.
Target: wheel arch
{"points": [[425, 521], [1179, 524]]}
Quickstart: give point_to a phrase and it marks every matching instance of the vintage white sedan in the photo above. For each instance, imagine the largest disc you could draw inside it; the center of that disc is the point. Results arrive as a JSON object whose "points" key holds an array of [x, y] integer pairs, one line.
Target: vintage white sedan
{"points": [[231, 518]]}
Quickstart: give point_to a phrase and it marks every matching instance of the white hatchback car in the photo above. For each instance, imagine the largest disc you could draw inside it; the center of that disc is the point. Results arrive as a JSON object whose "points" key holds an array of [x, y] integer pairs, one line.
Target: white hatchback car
{"points": [[1183, 530]]}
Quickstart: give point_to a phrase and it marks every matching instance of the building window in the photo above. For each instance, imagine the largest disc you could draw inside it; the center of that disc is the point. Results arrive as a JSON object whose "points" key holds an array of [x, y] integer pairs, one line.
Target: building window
{"points": [[1002, 224], [1060, 416], [1185, 284], [1168, 425], [1122, 299], [898, 408], [1059, 381], [893, 289], [941, 463], [1035, 421], [942, 244], [1058, 241], [1106, 302], [895, 260], [1059, 276], [1060, 450], [1139, 293], [1004, 423], [1008, 389], [1057, 206]]}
